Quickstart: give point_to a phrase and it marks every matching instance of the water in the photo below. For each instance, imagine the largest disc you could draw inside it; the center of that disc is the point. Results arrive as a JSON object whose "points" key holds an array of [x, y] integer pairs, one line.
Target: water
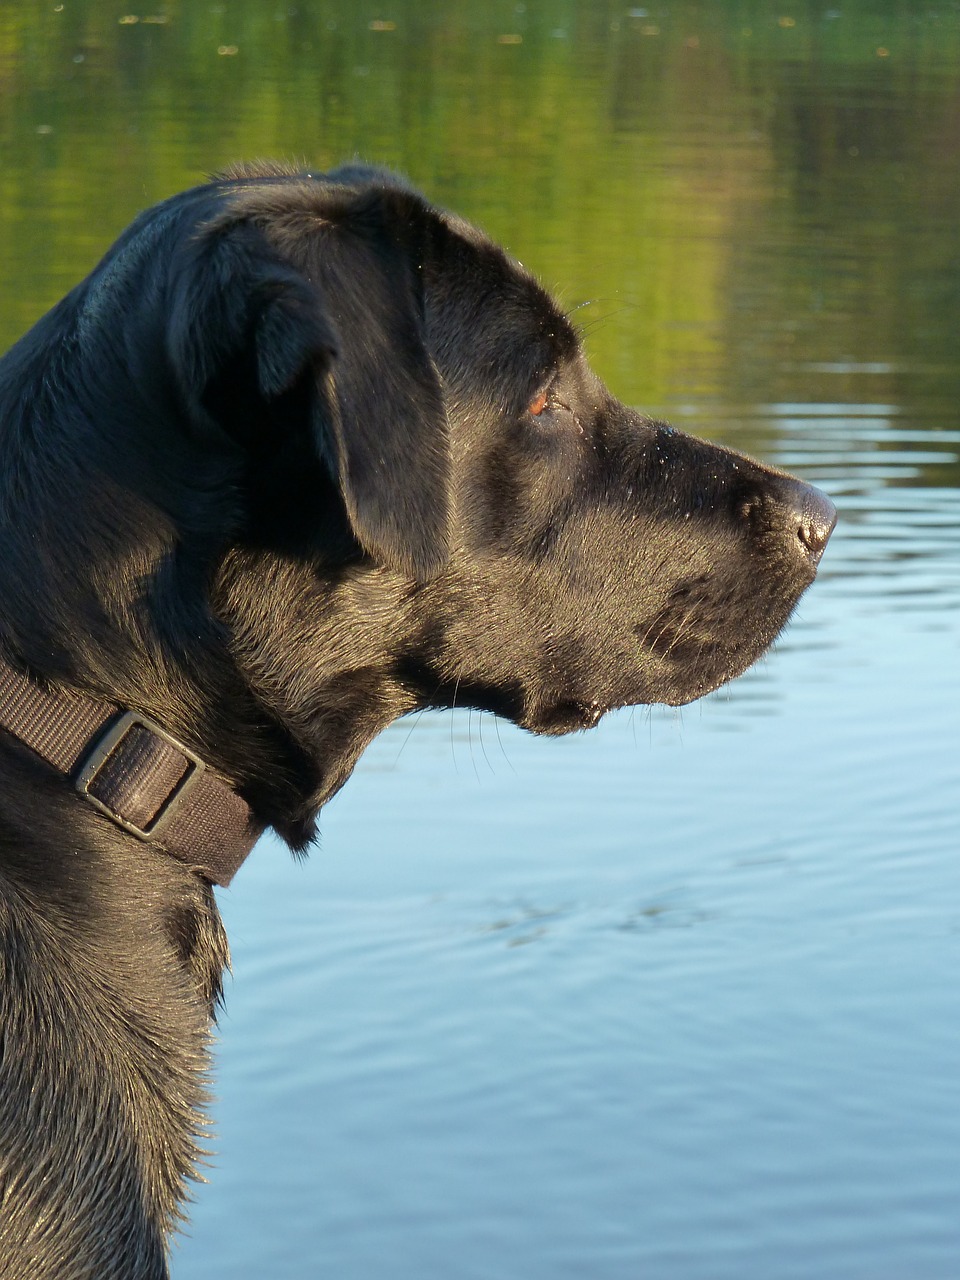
{"points": [[675, 999]]}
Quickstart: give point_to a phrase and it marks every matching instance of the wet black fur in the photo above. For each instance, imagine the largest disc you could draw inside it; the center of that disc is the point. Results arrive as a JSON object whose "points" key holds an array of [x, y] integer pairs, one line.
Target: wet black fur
{"points": [[269, 475]]}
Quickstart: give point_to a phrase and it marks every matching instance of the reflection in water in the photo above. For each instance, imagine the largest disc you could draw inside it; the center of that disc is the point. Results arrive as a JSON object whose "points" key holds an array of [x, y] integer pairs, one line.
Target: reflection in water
{"points": [[754, 212]]}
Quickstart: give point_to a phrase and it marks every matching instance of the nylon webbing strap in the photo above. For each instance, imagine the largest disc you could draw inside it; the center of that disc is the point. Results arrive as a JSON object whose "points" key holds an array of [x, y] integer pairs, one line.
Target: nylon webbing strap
{"points": [[135, 773]]}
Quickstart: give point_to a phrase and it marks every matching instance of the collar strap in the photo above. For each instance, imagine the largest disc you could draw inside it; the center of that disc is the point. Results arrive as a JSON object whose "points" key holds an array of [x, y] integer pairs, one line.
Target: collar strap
{"points": [[134, 773]]}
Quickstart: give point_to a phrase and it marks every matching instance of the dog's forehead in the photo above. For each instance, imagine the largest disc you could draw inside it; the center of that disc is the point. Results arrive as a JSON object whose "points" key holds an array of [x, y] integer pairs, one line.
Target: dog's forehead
{"points": [[502, 303]]}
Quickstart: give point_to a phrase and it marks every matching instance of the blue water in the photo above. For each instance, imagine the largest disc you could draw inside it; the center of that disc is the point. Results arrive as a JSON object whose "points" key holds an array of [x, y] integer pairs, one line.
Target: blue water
{"points": [[674, 999]]}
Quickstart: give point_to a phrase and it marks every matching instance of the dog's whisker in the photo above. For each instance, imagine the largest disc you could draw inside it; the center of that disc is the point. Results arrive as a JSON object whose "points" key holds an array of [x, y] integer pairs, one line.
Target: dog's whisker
{"points": [[473, 758], [415, 720], [596, 322], [453, 724], [681, 630], [503, 750], [570, 312], [483, 747]]}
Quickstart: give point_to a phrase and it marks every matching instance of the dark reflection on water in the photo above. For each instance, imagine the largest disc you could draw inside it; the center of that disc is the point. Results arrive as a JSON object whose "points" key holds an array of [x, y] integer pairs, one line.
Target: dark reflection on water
{"points": [[676, 999]]}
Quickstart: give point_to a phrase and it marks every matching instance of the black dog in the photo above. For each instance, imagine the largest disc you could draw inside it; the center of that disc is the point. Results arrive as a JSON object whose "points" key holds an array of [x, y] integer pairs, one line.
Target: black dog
{"points": [[301, 455]]}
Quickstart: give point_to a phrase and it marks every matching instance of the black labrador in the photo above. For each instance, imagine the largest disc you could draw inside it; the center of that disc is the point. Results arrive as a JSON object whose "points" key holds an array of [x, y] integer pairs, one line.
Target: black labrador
{"points": [[301, 455]]}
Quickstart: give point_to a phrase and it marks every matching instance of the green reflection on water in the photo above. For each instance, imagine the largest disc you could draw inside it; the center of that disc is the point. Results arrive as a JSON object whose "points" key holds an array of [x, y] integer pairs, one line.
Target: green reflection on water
{"points": [[742, 204]]}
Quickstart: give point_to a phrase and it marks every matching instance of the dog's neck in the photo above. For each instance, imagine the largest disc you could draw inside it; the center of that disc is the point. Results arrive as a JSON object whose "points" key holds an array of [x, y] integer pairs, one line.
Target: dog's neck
{"points": [[135, 773]]}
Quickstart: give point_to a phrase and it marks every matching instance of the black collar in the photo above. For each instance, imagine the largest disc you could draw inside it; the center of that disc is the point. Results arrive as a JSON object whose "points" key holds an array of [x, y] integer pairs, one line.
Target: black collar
{"points": [[134, 773]]}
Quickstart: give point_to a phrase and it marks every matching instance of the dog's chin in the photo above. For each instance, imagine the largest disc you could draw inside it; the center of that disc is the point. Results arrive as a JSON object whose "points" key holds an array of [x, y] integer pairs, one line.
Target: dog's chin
{"points": [[558, 718], [670, 684], [711, 672]]}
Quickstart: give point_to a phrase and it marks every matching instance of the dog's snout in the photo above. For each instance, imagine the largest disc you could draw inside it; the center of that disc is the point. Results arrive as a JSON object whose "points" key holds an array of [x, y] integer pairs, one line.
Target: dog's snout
{"points": [[808, 515]]}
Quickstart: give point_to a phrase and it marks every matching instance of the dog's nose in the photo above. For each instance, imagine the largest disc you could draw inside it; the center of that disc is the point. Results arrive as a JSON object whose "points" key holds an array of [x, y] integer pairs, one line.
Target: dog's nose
{"points": [[812, 517]]}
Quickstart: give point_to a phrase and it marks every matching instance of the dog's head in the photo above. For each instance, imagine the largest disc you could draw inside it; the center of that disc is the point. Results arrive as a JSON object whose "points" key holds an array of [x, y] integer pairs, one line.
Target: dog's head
{"points": [[378, 475]]}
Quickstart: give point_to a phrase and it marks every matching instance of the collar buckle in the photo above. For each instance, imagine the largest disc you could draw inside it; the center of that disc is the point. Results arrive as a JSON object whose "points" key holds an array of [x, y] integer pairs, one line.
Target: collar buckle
{"points": [[109, 750]]}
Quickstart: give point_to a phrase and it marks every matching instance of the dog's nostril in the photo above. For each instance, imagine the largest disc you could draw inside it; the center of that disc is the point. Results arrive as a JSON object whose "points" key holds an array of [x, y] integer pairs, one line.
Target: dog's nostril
{"points": [[813, 536], [816, 516]]}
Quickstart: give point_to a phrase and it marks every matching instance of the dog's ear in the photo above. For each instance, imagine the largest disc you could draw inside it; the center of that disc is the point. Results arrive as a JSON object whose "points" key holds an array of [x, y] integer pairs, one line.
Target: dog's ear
{"points": [[250, 322], [243, 326], [383, 421]]}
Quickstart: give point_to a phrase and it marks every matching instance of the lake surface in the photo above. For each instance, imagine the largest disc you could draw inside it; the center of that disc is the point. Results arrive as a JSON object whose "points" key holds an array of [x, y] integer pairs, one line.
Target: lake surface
{"points": [[676, 999]]}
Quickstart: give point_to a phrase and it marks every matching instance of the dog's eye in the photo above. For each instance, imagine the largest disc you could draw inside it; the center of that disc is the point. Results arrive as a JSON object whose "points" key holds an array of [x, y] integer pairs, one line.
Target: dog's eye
{"points": [[538, 404]]}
